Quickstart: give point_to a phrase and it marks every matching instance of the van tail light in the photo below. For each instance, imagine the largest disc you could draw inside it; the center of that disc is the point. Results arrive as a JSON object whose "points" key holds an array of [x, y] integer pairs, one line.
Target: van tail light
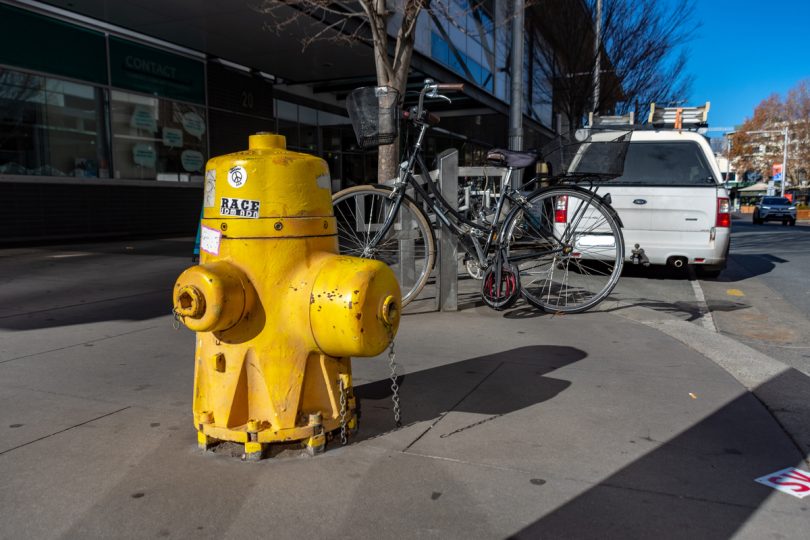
{"points": [[723, 212], [561, 209]]}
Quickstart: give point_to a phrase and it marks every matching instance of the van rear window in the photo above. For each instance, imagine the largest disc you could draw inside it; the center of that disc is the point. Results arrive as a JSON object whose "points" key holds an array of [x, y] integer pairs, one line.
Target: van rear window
{"points": [[665, 164]]}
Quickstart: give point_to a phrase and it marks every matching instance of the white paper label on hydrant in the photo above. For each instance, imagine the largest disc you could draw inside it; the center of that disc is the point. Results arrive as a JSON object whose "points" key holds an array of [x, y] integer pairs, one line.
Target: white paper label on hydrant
{"points": [[209, 240], [237, 176], [239, 207], [209, 196], [792, 481], [324, 181]]}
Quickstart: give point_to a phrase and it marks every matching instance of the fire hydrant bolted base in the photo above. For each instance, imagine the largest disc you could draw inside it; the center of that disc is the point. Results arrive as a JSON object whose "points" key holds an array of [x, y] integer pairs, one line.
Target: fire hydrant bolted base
{"points": [[277, 311]]}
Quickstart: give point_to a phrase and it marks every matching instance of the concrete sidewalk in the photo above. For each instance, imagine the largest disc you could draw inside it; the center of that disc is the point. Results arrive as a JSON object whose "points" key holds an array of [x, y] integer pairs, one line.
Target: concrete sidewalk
{"points": [[517, 424]]}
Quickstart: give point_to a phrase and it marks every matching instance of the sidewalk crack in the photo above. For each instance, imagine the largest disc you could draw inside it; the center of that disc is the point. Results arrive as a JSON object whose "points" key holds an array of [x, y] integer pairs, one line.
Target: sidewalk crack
{"points": [[64, 430], [451, 409], [97, 340]]}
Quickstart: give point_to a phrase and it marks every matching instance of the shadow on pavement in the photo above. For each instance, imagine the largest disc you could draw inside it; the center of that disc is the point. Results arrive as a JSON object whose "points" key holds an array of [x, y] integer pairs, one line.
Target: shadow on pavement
{"points": [[687, 311], [493, 385], [166, 247], [699, 484], [748, 266], [80, 284], [655, 271], [138, 307]]}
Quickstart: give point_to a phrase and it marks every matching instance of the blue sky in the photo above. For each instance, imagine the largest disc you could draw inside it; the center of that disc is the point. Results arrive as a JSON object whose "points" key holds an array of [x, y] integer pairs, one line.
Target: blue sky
{"points": [[744, 51]]}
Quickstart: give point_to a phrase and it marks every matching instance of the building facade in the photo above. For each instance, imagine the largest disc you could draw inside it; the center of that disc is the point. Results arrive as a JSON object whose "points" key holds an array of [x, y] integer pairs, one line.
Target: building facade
{"points": [[109, 110]]}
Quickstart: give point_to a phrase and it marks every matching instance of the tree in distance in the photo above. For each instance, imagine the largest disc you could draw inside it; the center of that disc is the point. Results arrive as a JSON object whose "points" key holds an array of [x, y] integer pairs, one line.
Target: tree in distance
{"points": [[754, 154]]}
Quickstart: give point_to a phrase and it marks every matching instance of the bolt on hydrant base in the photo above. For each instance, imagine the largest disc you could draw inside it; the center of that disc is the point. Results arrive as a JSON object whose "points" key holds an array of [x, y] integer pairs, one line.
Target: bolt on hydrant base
{"points": [[278, 313]]}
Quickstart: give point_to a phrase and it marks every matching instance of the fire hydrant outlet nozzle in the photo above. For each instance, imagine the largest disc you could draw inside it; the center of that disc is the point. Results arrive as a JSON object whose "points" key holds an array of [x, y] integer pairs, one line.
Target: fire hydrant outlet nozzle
{"points": [[211, 297], [190, 302], [353, 312], [390, 312]]}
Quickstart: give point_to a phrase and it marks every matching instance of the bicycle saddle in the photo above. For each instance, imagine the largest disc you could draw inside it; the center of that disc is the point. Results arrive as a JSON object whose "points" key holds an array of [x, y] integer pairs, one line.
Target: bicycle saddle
{"points": [[509, 158]]}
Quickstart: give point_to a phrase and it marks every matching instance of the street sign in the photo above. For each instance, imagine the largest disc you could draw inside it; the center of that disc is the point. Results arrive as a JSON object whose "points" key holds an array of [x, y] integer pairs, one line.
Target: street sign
{"points": [[792, 481], [777, 172], [771, 189]]}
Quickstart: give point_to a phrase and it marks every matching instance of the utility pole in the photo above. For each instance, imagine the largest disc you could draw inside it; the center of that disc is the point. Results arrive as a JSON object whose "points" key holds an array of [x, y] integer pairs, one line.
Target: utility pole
{"points": [[784, 161], [516, 105], [598, 54]]}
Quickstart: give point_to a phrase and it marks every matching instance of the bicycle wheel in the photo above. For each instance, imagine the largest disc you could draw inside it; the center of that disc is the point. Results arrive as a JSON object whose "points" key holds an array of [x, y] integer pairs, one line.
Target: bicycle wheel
{"points": [[567, 248], [408, 247]]}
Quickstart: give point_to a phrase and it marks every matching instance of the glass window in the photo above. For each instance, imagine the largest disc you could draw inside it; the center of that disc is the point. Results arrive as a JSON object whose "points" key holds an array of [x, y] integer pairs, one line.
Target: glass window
{"points": [[775, 200], [673, 163], [287, 114], [308, 132], [157, 139], [51, 127]]}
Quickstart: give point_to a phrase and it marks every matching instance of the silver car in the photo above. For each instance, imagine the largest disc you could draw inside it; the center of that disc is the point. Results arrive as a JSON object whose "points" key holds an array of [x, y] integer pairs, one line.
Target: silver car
{"points": [[775, 209]]}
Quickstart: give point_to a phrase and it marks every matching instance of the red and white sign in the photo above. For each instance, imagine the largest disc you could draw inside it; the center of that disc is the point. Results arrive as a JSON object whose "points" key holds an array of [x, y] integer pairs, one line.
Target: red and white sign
{"points": [[777, 171], [791, 481]]}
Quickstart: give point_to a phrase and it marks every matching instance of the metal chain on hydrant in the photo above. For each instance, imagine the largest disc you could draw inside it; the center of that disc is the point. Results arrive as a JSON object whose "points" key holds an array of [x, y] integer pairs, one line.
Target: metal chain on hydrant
{"points": [[343, 439], [176, 322], [394, 386]]}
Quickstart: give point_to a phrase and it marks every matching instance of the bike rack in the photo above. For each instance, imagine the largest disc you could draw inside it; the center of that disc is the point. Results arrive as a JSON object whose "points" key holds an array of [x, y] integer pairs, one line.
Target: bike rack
{"points": [[447, 270], [447, 267]]}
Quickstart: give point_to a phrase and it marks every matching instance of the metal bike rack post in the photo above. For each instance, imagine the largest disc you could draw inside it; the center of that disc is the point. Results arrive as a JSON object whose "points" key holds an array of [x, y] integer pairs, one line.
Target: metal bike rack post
{"points": [[447, 275], [404, 226]]}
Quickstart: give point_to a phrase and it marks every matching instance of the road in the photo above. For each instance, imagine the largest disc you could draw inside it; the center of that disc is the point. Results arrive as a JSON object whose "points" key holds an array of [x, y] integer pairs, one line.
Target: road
{"points": [[762, 299]]}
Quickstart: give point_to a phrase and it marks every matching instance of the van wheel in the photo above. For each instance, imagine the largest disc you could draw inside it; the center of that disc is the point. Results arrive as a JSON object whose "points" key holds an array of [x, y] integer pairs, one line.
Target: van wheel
{"points": [[792, 222]]}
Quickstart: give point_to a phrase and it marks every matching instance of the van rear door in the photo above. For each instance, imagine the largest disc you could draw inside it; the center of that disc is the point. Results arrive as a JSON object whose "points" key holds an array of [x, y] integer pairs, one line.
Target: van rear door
{"points": [[667, 196]]}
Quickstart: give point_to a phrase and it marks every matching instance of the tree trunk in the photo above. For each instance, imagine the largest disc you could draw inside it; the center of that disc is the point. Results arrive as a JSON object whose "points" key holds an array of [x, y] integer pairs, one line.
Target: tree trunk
{"points": [[393, 72]]}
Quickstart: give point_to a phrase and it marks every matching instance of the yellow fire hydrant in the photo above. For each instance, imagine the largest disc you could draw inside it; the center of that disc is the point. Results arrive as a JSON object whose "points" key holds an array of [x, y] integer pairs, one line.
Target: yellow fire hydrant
{"points": [[278, 313]]}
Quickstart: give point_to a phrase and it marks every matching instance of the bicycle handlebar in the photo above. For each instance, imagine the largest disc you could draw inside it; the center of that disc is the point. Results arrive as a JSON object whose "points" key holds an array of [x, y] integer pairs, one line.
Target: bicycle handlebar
{"points": [[431, 89]]}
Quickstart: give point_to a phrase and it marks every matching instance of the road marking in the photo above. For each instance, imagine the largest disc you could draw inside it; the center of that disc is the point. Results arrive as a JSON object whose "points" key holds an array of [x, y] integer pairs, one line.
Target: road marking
{"points": [[706, 319], [69, 255], [735, 292]]}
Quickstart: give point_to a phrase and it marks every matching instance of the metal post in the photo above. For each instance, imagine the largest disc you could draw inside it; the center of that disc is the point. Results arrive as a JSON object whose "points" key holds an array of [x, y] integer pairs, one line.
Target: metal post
{"points": [[784, 162], [598, 54], [516, 105], [447, 277]]}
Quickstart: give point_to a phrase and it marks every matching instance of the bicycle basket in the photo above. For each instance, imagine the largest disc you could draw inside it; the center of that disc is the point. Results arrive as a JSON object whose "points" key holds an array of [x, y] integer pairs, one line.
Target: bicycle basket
{"points": [[588, 153], [374, 112]]}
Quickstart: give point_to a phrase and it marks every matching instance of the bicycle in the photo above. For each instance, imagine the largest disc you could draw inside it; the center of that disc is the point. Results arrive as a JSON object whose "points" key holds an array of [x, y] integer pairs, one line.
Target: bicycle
{"points": [[560, 247]]}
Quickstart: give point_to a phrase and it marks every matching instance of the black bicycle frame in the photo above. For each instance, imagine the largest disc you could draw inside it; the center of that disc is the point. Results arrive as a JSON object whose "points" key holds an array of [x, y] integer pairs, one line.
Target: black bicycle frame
{"points": [[441, 207]]}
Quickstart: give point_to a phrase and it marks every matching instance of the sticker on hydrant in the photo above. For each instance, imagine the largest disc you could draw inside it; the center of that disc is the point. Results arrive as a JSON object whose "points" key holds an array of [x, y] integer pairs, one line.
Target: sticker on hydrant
{"points": [[209, 240], [209, 196], [237, 176], [239, 207]]}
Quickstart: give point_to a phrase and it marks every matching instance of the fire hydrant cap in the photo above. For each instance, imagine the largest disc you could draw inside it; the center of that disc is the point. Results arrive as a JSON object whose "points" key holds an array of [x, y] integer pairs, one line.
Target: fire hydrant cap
{"points": [[265, 141]]}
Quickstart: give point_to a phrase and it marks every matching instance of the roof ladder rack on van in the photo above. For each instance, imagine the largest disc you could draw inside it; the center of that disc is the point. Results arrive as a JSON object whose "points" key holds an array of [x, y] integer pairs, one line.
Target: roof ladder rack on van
{"points": [[679, 117], [595, 120]]}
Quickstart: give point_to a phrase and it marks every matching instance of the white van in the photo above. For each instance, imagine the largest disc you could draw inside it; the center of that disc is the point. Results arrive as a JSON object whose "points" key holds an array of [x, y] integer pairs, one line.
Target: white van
{"points": [[671, 201]]}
